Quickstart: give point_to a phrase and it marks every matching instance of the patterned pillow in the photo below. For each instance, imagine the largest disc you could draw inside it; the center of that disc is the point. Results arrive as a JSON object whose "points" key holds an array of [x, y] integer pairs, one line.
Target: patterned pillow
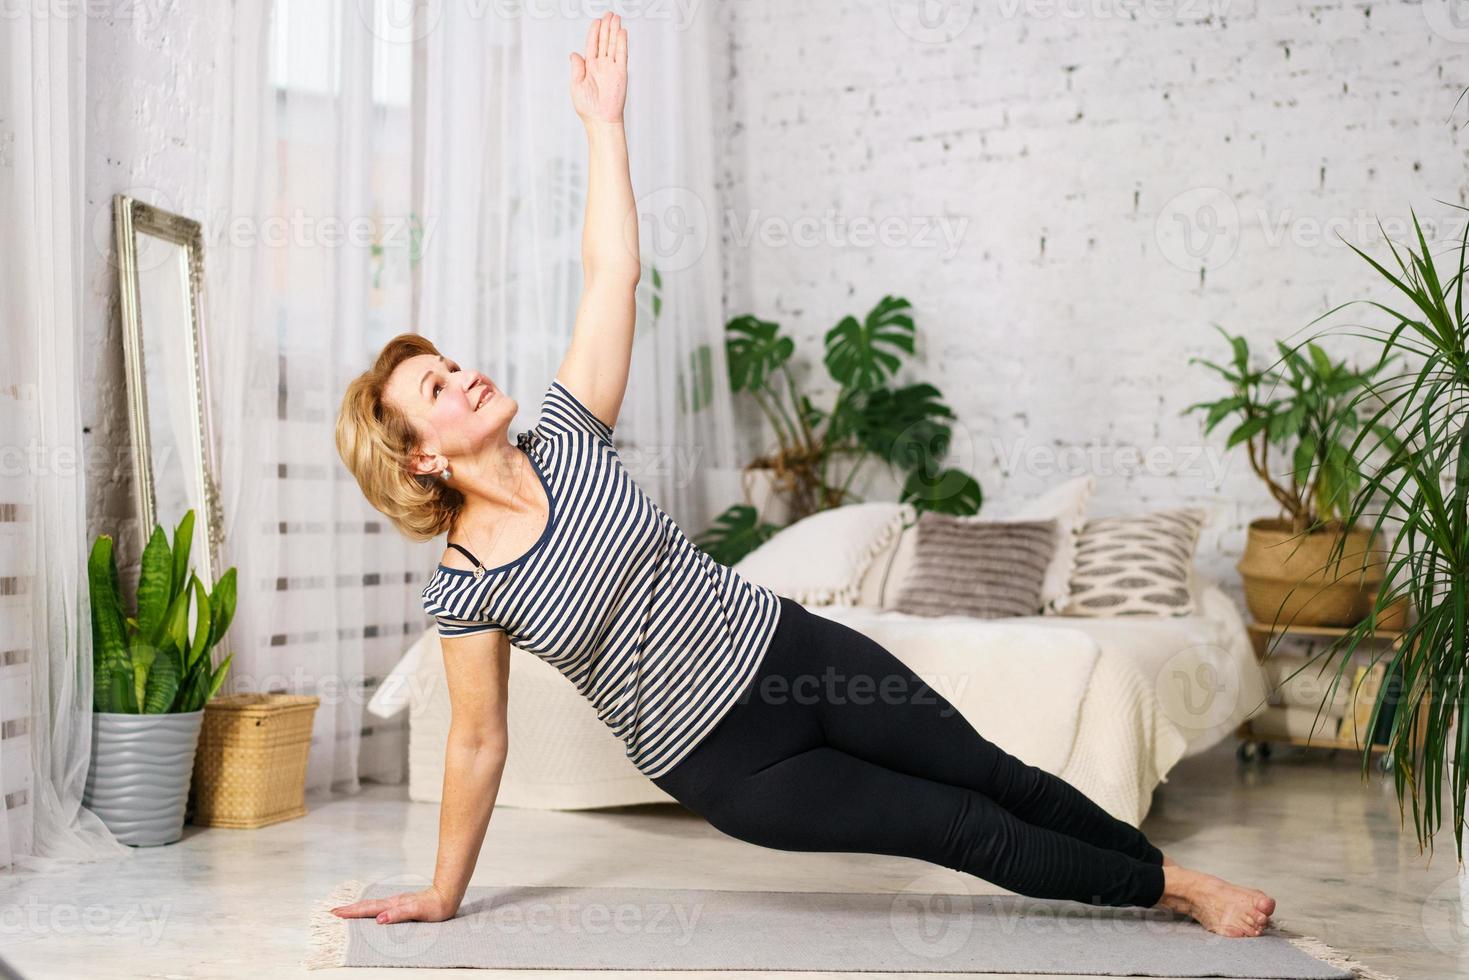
{"points": [[1136, 565], [981, 568]]}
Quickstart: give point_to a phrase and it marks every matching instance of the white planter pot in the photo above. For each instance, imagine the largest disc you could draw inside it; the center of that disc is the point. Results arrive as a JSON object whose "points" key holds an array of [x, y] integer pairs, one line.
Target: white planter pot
{"points": [[759, 489], [138, 780]]}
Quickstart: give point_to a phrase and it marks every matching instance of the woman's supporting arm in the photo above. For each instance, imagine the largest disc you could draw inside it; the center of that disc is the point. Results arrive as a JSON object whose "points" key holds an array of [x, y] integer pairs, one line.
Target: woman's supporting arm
{"points": [[595, 368], [477, 670]]}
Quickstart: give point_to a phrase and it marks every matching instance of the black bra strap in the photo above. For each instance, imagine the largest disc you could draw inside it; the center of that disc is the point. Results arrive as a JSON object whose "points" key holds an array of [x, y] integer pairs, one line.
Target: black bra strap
{"points": [[466, 553]]}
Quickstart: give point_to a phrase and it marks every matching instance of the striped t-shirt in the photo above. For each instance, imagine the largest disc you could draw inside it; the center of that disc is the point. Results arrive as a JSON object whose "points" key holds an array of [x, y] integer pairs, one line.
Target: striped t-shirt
{"points": [[660, 637]]}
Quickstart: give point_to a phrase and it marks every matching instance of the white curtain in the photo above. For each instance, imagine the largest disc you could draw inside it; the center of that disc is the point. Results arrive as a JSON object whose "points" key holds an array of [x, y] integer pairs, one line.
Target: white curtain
{"points": [[315, 277], [390, 166], [45, 643], [504, 194]]}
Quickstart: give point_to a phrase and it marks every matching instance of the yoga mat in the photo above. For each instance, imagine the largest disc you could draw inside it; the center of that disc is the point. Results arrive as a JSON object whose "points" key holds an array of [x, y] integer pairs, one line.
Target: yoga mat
{"points": [[575, 928]]}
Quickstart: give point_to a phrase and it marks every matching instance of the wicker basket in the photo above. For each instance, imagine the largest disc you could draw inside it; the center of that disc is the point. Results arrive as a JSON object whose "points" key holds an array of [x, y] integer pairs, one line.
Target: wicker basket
{"points": [[250, 767]]}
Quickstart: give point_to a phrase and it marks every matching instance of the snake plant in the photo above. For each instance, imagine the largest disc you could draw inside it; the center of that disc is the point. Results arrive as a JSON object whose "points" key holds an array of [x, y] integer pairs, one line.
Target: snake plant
{"points": [[150, 663]]}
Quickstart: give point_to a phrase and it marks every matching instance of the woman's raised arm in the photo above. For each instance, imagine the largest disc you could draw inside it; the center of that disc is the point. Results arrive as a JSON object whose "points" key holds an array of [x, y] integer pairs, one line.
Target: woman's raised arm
{"points": [[595, 368]]}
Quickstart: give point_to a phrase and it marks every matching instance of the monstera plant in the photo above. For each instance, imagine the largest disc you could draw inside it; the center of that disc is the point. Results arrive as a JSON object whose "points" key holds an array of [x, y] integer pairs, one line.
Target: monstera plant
{"points": [[872, 417], [152, 674]]}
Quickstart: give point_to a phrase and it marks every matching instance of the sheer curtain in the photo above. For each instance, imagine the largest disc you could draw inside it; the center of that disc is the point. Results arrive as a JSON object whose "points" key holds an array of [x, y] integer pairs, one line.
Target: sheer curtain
{"points": [[504, 180], [392, 166], [317, 277], [45, 646]]}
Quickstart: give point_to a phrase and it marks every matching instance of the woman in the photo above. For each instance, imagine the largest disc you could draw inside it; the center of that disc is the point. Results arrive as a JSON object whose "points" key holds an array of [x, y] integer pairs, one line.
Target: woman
{"points": [[739, 703]]}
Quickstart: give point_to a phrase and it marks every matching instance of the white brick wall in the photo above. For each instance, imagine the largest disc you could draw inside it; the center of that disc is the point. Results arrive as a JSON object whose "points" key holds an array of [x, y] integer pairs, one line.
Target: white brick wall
{"points": [[1061, 328]]}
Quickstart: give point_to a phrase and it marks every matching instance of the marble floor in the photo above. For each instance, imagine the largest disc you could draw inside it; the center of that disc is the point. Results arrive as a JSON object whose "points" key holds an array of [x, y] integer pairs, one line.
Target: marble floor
{"points": [[231, 904]]}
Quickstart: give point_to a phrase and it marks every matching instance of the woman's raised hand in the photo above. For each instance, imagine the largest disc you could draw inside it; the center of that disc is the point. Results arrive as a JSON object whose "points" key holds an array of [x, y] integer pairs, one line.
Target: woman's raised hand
{"points": [[599, 79], [425, 906]]}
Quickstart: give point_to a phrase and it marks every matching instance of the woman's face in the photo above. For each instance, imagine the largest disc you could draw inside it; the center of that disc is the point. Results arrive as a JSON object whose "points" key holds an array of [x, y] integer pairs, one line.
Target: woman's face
{"points": [[456, 412]]}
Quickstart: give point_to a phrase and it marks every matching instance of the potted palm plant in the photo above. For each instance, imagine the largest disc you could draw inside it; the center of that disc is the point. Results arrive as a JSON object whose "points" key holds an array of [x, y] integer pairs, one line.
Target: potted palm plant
{"points": [[152, 677], [818, 451], [1418, 497], [1306, 566]]}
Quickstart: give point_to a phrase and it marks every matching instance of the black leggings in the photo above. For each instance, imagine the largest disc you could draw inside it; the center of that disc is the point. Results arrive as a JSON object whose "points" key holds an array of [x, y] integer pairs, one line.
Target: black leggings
{"points": [[836, 746]]}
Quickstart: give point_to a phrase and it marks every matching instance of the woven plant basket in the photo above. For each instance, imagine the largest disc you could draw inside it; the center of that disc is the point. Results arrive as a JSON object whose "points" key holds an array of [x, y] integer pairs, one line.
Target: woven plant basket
{"points": [[250, 767], [1289, 578]]}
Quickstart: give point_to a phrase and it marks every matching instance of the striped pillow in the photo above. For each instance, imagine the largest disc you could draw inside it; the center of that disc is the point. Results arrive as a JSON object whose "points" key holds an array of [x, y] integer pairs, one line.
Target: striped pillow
{"points": [[987, 569]]}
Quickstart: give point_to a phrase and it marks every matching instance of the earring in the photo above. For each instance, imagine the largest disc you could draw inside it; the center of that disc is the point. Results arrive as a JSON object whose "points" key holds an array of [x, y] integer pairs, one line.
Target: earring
{"points": [[444, 473]]}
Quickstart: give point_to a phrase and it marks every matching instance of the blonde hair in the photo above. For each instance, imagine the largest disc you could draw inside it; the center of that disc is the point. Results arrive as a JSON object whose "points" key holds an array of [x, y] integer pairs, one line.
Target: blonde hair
{"points": [[376, 442]]}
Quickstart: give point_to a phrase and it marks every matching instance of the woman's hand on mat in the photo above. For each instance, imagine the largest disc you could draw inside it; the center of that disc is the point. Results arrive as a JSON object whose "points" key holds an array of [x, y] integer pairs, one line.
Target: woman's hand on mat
{"points": [[428, 905], [599, 78]]}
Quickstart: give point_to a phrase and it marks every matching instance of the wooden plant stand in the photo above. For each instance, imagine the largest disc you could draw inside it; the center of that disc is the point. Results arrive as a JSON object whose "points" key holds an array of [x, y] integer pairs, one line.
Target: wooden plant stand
{"points": [[1262, 636]]}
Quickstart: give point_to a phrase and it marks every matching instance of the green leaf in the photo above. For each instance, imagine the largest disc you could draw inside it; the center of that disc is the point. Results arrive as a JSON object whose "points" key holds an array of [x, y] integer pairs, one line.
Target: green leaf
{"points": [[1246, 430], [949, 491], [155, 585], [218, 677], [122, 695], [222, 605], [903, 426], [142, 654], [202, 621], [1304, 459], [183, 543], [736, 532], [109, 629], [754, 350], [860, 355], [162, 683]]}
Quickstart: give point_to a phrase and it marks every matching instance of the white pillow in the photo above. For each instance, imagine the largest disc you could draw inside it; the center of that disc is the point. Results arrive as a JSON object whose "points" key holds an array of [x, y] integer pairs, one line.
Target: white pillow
{"points": [[820, 560], [1064, 504]]}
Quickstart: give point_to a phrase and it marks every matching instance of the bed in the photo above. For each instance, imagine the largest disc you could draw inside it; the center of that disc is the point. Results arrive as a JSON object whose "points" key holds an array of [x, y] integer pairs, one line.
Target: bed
{"points": [[1110, 705]]}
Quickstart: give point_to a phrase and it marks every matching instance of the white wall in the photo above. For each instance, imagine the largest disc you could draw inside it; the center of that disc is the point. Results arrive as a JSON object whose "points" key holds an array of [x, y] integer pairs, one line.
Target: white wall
{"points": [[1064, 142], [149, 112], [1058, 143]]}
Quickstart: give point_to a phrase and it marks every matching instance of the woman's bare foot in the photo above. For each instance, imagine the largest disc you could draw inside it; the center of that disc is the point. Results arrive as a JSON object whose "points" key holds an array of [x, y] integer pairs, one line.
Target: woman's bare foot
{"points": [[1219, 906]]}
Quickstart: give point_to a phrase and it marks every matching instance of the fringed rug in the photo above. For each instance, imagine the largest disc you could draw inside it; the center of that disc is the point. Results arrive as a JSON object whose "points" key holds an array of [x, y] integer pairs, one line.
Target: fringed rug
{"points": [[571, 928]]}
